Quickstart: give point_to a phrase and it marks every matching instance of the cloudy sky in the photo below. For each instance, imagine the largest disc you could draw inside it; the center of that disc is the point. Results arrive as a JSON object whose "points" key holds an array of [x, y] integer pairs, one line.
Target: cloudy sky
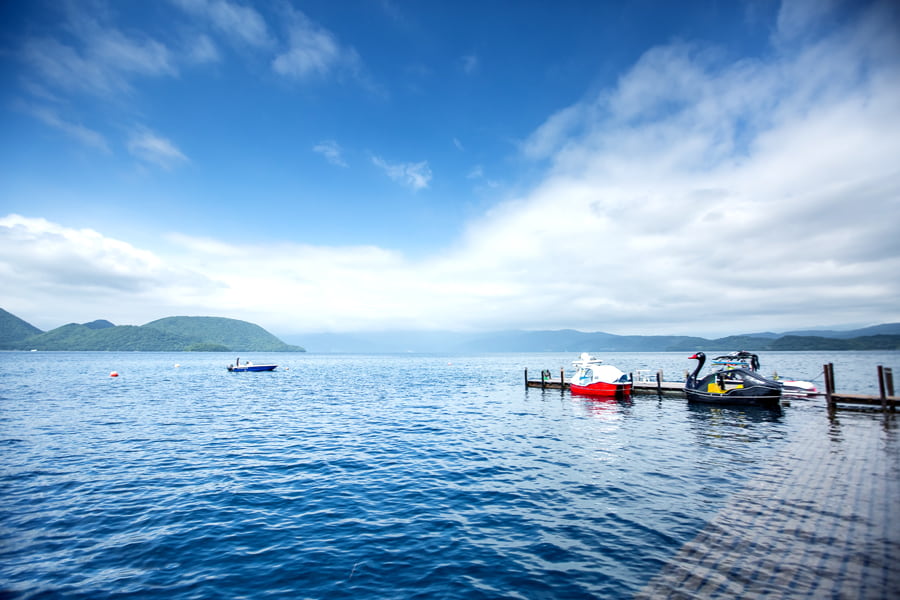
{"points": [[633, 167]]}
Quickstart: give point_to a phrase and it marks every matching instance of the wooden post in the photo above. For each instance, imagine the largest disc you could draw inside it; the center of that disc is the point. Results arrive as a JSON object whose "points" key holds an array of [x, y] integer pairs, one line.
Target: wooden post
{"points": [[889, 383], [526, 378], [886, 387], [659, 378], [829, 385], [562, 379]]}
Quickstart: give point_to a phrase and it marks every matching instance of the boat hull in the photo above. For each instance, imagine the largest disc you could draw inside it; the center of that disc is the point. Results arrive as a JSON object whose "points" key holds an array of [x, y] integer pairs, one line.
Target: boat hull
{"points": [[252, 368], [751, 396], [602, 388]]}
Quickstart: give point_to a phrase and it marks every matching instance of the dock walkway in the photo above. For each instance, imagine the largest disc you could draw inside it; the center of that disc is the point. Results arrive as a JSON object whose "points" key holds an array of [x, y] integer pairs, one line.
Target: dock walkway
{"points": [[646, 382], [642, 384], [820, 522]]}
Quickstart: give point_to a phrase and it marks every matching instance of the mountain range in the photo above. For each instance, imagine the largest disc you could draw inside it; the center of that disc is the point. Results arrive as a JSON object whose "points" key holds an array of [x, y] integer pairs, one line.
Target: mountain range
{"points": [[174, 334], [879, 337], [171, 334]]}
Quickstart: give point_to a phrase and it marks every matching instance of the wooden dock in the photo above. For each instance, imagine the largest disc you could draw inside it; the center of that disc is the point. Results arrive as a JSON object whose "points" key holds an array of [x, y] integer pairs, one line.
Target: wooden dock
{"points": [[642, 384], [647, 382], [885, 400]]}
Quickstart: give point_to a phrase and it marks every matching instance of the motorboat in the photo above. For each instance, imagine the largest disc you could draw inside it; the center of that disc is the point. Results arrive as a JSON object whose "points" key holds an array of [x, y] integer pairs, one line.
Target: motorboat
{"points": [[248, 366], [748, 360], [796, 387], [733, 385], [594, 378]]}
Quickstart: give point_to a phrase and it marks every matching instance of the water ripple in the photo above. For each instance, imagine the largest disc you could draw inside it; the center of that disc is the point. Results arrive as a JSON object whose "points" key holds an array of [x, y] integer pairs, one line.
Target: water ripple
{"points": [[388, 477]]}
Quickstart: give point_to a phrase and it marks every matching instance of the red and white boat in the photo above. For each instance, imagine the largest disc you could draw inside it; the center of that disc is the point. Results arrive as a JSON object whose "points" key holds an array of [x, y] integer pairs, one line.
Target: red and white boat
{"points": [[594, 378]]}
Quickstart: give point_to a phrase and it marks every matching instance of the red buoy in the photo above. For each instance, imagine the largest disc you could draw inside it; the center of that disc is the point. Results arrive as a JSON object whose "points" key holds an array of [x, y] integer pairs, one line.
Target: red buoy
{"points": [[114, 374]]}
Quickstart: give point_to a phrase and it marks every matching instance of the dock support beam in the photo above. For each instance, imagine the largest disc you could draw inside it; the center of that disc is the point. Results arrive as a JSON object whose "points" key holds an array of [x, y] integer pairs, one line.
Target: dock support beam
{"points": [[886, 387]]}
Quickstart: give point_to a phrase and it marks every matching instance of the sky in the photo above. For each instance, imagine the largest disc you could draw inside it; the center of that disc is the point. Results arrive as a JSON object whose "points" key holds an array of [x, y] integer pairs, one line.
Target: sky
{"points": [[638, 167]]}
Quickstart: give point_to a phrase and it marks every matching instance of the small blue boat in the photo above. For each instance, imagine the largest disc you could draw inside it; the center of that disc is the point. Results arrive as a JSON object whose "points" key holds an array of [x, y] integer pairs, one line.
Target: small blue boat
{"points": [[237, 367]]}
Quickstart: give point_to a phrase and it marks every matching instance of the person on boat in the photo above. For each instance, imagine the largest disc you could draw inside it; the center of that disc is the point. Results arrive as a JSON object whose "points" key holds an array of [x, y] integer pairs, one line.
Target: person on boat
{"points": [[237, 362]]}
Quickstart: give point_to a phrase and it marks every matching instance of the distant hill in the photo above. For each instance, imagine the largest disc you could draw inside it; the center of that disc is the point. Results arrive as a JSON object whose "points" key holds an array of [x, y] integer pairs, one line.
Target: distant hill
{"points": [[75, 336], [569, 340], [13, 329], [172, 334], [885, 329], [218, 334], [809, 342], [231, 333]]}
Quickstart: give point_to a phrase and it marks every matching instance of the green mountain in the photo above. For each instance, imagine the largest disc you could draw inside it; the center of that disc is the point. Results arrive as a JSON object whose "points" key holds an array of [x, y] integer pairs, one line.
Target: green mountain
{"points": [[13, 329], [231, 333], [122, 337], [809, 342], [173, 334]]}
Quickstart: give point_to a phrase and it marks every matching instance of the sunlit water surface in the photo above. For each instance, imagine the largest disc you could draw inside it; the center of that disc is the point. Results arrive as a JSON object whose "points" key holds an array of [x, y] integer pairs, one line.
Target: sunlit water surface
{"points": [[389, 476]]}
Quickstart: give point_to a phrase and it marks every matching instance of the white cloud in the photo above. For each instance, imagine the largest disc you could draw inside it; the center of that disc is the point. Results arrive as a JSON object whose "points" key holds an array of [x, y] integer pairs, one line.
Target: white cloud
{"points": [[61, 66], [696, 196], [413, 175], [700, 191], [101, 60], [151, 148], [795, 17], [332, 152], [202, 50], [238, 22], [82, 134], [553, 132], [313, 51], [142, 56], [62, 274]]}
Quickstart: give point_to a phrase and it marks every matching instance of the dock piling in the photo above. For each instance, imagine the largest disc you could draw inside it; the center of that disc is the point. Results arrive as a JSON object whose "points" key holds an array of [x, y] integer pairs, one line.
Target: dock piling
{"points": [[886, 387], [886, 398], [829, 385]]}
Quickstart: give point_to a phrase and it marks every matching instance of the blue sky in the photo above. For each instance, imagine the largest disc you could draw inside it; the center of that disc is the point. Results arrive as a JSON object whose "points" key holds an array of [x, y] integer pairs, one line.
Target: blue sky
{"points": [[632, 167]]}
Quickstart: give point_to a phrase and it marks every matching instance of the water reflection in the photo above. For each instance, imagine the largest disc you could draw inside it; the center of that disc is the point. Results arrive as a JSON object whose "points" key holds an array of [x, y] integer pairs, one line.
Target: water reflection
{"points": [[740, 414], [605, 409], [838, 421], [713, 425]]}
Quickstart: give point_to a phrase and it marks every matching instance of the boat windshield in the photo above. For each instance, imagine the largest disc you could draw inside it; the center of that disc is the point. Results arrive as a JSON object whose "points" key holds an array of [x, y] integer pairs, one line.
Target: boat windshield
{"points": [[744, 376], [753, 377]]}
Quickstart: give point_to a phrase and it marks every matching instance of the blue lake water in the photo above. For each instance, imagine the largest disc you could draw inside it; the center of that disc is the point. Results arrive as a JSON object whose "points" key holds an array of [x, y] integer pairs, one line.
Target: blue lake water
{"points": [[384, 476]]}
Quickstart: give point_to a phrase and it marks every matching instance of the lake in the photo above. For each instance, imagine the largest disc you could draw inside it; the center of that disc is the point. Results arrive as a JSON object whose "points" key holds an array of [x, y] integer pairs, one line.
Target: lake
{"points": [[383, 476]]}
